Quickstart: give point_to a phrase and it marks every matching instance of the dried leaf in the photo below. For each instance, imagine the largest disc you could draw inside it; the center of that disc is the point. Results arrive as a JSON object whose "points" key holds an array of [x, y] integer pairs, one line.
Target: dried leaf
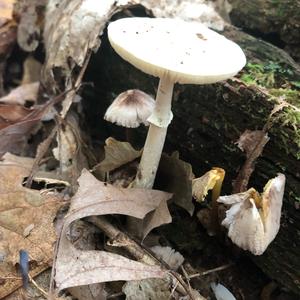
{"points": [[30, 25], [89, 292], [69, 150], [82, 234], [31, 71], [6, 9], [67, 40], [8, 32], [207, 182], [177, 176], [26, 218], [13, 136], [252, 220], [13, 113], [21, 94], [253, 143], [97, 198], [155, 218], [117, 154], [154, 288]]}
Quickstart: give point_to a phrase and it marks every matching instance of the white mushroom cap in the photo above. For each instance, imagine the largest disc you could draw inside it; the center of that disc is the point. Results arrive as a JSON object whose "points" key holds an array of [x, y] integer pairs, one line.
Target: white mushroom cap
{"points": [[252, 220], [186, 52], [130, 109]]}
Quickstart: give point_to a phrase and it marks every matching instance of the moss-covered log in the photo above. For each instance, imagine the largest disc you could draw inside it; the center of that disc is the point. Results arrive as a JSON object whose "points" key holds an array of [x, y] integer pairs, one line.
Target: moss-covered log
{"points": [[209, 119]]}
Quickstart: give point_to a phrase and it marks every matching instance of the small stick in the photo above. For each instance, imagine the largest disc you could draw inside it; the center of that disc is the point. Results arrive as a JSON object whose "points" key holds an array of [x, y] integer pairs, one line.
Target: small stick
{"points": [[44, 293], [136, 250], [221, 268]]}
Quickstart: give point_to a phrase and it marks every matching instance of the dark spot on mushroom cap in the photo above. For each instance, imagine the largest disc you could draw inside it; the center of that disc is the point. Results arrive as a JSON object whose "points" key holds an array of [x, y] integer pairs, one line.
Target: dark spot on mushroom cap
{"points": [[201, 36]]}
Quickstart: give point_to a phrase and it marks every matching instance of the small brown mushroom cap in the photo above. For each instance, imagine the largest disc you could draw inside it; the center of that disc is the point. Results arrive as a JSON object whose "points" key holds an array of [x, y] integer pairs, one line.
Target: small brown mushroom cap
{"points": [[252, 220], [130, 109]]}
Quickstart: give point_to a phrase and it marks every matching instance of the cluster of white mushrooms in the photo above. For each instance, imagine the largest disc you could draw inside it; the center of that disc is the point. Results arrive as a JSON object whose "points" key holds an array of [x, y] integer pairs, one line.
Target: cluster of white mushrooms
{"points": [[177, 52]]}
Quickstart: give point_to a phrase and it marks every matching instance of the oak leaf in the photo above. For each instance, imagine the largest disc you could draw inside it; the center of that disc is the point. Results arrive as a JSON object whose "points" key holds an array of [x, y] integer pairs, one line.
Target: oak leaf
{"points": [[74, 267], [26, 222]]}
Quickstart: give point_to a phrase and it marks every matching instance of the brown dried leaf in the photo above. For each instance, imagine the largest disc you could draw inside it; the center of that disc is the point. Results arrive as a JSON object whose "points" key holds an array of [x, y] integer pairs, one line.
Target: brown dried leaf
{"points": [[68, 41], [154, 288], [101, 199], [21, 94], [6, 9], [177, 176], [69, 150], [31, 71], [155, 218], [26, 222], [97, 198], [13, 113], [13, 136], [117, 154]]}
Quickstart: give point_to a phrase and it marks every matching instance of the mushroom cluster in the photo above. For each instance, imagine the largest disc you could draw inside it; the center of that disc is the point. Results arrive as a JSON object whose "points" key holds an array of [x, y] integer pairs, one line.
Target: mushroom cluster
{"points": [[176, 51]]}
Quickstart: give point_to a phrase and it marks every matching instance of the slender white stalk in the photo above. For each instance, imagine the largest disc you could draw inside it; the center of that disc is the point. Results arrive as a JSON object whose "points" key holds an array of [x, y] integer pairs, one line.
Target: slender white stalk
{"points": [[156, 135]]}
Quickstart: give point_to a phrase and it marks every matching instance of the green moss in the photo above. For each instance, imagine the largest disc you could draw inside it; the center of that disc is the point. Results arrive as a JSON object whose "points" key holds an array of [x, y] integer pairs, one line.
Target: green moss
{"points": [[269, 75], [286, 122]]}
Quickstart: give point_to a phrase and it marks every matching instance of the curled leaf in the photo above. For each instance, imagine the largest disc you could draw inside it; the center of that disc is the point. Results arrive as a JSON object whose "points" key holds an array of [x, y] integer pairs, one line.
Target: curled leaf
{"points": [[176, 177]]}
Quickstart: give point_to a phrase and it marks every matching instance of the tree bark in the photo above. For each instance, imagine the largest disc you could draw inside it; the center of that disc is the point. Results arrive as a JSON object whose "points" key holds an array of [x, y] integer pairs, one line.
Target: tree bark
{"points": [[209, 119]]}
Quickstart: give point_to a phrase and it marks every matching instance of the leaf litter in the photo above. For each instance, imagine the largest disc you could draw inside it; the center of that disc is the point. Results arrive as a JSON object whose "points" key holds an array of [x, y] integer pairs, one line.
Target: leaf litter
{"points": [[87, 267], [26, 222], [80, 266]]}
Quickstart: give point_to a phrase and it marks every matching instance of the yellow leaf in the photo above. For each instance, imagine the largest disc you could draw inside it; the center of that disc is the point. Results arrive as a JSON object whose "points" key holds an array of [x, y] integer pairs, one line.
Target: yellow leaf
{"points": [[207, 182]]}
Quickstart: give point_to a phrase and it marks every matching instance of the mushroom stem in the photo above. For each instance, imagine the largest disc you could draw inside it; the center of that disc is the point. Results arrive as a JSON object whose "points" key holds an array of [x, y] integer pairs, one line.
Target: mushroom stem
{"points": [[155, 140]]}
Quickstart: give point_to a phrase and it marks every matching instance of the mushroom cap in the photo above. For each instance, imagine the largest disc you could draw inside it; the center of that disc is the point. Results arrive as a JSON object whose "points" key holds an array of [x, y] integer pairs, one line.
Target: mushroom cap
{"points": [[130, 109], [186, 52], [252, 220]]}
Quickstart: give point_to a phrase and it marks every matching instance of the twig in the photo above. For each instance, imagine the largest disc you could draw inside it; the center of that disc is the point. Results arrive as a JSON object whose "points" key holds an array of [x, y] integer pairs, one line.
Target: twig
{"points": [[44, 293], [41, 151], [123, 240], [221, 268], [46, 143], [115, 295]]}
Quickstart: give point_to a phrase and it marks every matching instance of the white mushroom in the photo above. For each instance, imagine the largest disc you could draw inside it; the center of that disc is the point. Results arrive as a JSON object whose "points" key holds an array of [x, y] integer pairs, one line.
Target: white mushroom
{"points": [[253, 220], [130, 109], [174, 51]]}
